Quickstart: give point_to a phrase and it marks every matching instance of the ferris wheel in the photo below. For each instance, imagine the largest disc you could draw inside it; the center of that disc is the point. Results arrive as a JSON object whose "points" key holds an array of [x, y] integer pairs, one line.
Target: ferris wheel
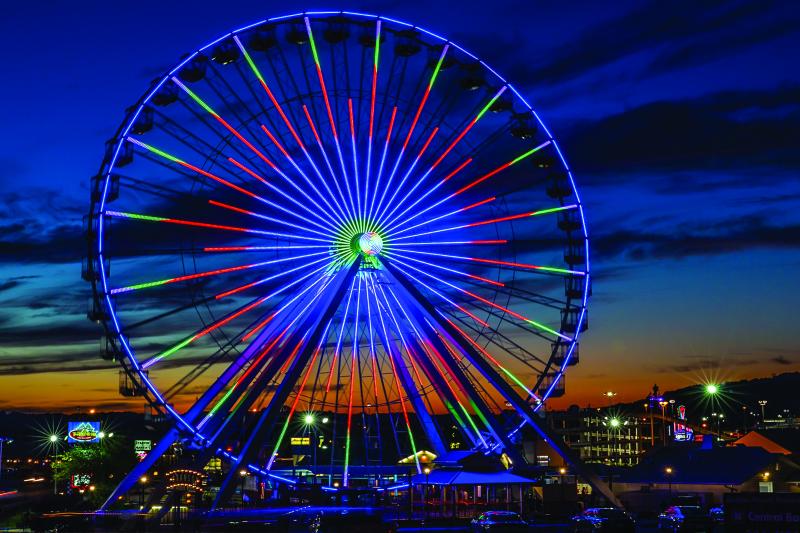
{"points": [[341, 215]]}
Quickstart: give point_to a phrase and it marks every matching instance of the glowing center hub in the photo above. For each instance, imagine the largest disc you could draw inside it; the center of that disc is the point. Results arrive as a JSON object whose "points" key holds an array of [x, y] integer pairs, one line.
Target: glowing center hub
{"points": [[370, 243]]}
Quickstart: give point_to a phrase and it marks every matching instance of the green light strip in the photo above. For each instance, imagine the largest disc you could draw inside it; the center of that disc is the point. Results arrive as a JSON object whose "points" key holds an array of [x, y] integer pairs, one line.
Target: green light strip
{"points": [[529, 153], [438, 67], [313, 44], [545, 328], [487, 106], [552, 210], [197, 99], [250, 62], [136, 216]]}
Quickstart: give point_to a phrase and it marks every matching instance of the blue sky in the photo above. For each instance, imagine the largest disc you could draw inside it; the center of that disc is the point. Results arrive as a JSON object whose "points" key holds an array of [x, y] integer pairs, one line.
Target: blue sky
{"points": [[680, 121]]}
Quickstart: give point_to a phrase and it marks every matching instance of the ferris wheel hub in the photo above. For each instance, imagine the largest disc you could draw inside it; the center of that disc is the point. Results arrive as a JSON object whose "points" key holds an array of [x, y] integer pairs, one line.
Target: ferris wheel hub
{"points": [[370, 243]]}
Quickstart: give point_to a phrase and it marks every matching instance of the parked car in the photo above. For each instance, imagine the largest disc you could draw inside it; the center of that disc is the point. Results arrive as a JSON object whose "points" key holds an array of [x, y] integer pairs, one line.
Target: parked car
{"points": [[604, 519], [498, 521], [717, 514], [685, 518]]}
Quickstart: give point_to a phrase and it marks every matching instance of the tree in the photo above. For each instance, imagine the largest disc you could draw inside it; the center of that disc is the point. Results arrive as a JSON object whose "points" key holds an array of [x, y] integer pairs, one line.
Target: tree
{"points": [[106, 462]]}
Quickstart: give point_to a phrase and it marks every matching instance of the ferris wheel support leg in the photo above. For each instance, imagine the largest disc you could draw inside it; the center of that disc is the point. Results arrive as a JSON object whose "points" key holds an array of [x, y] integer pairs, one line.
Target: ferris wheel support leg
{"points": [[141, 468], [315, 324], [454, 370], [418, 403], [174, 434], [519, 404]]}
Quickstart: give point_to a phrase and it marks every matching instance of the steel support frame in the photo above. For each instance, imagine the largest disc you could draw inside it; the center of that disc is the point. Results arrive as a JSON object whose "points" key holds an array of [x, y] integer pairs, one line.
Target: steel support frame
{"points": [[265, 423], [519, 404]]}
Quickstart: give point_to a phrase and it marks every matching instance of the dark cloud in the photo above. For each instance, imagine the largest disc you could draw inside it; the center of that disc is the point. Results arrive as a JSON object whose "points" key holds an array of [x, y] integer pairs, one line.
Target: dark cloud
{"points": [[683, 34], [725, 130], [735, 235], [781, 360]]}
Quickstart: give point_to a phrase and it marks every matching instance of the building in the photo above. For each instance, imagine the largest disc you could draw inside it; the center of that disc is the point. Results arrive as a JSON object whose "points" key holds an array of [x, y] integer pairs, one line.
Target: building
{"points": [[705, 473], [782, 441], [602, 436]]}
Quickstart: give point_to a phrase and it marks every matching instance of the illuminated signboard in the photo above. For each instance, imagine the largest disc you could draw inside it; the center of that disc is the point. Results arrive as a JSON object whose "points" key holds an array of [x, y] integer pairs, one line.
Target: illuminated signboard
{"points": [[83, 432], [682, 432], [142, 445], [77, 481]]}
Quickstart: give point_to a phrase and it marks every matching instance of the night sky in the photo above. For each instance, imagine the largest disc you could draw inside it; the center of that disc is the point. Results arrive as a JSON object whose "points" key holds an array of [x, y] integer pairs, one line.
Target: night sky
{"points": [[681, 122]]}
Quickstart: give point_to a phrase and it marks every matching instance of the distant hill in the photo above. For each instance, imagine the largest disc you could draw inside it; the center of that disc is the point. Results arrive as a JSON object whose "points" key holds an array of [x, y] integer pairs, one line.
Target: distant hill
{"points": [[781, 391]]}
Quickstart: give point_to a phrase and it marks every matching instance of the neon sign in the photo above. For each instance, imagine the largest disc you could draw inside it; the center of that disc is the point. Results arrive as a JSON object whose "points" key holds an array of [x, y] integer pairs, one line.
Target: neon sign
{"points": [[83, 432], [682, 432]]}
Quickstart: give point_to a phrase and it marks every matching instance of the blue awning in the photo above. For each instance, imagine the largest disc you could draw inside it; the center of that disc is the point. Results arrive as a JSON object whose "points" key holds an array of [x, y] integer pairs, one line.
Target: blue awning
{"points": [[461, 477]]}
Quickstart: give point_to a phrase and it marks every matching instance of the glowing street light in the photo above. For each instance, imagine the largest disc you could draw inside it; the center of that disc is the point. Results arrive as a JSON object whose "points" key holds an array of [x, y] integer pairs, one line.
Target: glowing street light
{"points": [[614, 422], [53, 438], [712, 389], [309, 419]]}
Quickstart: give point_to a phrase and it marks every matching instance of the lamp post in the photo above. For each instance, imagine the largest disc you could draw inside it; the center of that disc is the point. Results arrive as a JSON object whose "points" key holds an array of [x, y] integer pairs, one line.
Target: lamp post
{"points": [[243, 475], [54, 444], [310, 421], [427, 472], [663, 405], [142, 483], [763, 404], [668, 474]]}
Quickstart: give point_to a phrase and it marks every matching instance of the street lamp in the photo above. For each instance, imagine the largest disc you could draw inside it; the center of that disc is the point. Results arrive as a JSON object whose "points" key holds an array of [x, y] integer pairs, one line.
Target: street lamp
{"points": [[310, 422], [668, 473], [763, 404], [142, 483], [243, 475], [712, 389], [427, 472]]}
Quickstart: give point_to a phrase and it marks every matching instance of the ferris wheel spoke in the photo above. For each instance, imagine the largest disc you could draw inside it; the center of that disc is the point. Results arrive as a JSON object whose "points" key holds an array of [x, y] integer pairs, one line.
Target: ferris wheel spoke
{"points": [[373, 94], [494, 361], [399, 157], [216, 272], [441, 157], [379, 217], [282, 273], [331, 120], [473, 183], [433, 369], [337, 211], [250, 145], [512, 264], [402, 223], [360, 213], [490, 336], [324, 153], [391, 227], [488, 302], [293, 131], [274, 220], [297, 398], [478, 223], [338, 350], [198, 224], [288, 197], [222, 181], [383, 159], [226, 319], [353, 363], [482, 279], [406, 382], [267, 351]]}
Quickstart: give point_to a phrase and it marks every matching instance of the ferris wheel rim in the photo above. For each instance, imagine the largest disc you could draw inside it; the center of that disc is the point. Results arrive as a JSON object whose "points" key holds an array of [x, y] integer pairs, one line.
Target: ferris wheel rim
{"points": [[128, 351]]}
